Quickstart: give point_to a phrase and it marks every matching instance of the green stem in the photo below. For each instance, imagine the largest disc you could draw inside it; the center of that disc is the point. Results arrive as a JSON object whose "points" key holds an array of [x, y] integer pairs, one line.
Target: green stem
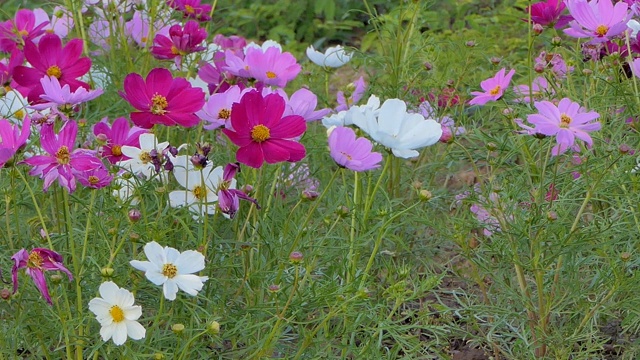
{"points": [[35, 204], [351, 258]]}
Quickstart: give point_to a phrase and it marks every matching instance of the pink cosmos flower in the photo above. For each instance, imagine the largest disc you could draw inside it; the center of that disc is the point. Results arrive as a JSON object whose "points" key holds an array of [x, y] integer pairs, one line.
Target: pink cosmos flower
{"points": [[303, 102], [50, 58], [566, 122], [36, 263], [217, 110], [7, 68], [192, 8], [180, 42], [493, 88], [539, 89], [138, 28], [162, 99], [270, 66], [61, 160], [234, 43], [262, 133], [548, 13], [357, 88], [116, 136], [597, 19], [95, 178], [12, 138], [61, 21], [351, 152], [61, 96], [229, 197], [22, 29]]}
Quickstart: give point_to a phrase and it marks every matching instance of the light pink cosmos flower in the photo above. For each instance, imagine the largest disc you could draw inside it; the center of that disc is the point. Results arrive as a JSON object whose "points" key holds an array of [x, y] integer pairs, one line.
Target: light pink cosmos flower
{"points": [[61, 96], [303, 102], [61, 21], [161, 99], [351, 152], [138, 27], [270, 66], [493, 88], [217, 110], [36, 263], [566, 122], [22, 29], [62, 159], [95, 178], [180, 42], [599, 20], [12, 138], [262, 133], [539, 89], [114, 137]]}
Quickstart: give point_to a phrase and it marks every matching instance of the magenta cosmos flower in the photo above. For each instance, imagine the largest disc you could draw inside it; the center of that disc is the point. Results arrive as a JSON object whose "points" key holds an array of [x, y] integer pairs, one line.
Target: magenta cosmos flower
{"points": [[36, 263], [49, 58], [162, 99], [566, 122], [12, 138], [262, 133], [228, 196], [493, 88], [597, 19], [62, 159], [114, 137], [548, 13], [192, 9], [351, 152], [180, 42], [14, 34]]}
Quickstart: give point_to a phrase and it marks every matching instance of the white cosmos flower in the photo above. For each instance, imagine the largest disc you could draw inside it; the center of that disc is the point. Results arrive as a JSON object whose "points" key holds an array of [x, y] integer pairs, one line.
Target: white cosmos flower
{"points": [[200, 192], [14, 107], [396, 129], [265, 45], [172, 269], [345, 117], [141, 162], [333, 57], [116, 314]]}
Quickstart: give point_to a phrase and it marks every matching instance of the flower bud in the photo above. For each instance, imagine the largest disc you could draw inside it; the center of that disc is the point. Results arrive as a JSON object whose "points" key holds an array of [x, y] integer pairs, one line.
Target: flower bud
{"points": [[587, 72], [56, 279], [342, 211], [492, 146], [5, 294], [158, 356], [625, 256], [177, 328], [273, 288], [624, 148], [425, 195], [214, 327], [552, 216], [537, 29], [539, 68], [296, 257], [470, 43], [495, 60], [428, 66], [309, 195], [556, 41], [134, 215], [107, 272]]}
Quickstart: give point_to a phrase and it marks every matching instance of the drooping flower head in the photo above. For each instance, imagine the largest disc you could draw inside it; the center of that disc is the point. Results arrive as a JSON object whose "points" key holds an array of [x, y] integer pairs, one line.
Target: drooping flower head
{"points": [[333, 56], [114, 137], [172, 269], [351, 152], [62, 159], [566, 122], [35, 264], [599, 20], [262, 133], [50, 58], [493, 88], [14, 34], [116, 314], [161, 99], [180, 42], [12, 138], [228, 196]]}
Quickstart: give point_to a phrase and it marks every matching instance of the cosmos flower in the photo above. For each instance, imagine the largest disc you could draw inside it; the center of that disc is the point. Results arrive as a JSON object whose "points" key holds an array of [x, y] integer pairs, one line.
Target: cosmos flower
{"points": [[36, 263], [12, 138], [493, 88], [172, 269], [268, 65], [114, 137], [548, 12], [116, 314], [333, 57], [62, 97], [200, 186], [599, 20], [228, 196], [140, 159], [23, 28], [192, 9], [181, 41], [217, 110], [161, 99], [262, 133], [351, 152]]}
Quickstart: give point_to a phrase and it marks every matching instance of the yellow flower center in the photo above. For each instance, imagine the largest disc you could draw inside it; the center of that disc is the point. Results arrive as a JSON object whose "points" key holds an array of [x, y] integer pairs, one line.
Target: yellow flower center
{"points": [[601, 30], [271, 74], [23, 33], [116, 150], [565, 120], [116, 313], [93, 180], [260, 133], [143, 39], [200, 192], [145, 157], [174, 50], [63, 155], [159, 104], [495, 91], [169, 270], [55, 71], [19, 114], [35, 260], [189, 9], [224, 114]]}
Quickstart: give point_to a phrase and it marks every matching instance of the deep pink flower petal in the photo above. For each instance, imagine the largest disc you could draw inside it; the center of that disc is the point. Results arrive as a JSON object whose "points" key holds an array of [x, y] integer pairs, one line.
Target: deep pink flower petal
{"points": [[251, 155]]}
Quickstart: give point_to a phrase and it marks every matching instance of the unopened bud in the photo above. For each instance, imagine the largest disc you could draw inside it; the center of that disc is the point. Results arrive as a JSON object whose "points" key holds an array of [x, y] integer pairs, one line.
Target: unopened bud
{"points": [[587, 72], [428, 66], [539, 68], [296, 257], [537, 29], [56, 278], [158, 356], [417, 184], [624, 148], [107, 272], [177, 328], [309, 195], [214, 327], [625, 256], [5, 294], [273, 288], [552, 216], [134, 215], [491, 146], [556, 41], [425, 195], [247, 189], [470, 43], [134, 237], [342, 210], [495, 60]]}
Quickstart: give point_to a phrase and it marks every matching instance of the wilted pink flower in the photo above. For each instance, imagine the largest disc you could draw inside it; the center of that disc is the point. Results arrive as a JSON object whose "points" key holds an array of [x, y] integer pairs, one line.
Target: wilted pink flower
{"points": [[228, 196], [12, 138], [262, 133], [49, 58], [116, 136], [357, 88], [62, 159], [180, 42], [489, 222], [192, 9], [597, 19], [352, 153], [36, 263], [22, 29], [565, 121], [548, 12], [162, 99], [539, 89], [493, 88]]}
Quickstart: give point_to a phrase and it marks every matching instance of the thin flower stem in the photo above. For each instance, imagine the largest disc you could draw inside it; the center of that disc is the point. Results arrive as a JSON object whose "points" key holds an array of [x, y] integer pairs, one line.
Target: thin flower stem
{"points": [[351, 258], [77, 264], [187, 345], [35, 204], [371, 196]]}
